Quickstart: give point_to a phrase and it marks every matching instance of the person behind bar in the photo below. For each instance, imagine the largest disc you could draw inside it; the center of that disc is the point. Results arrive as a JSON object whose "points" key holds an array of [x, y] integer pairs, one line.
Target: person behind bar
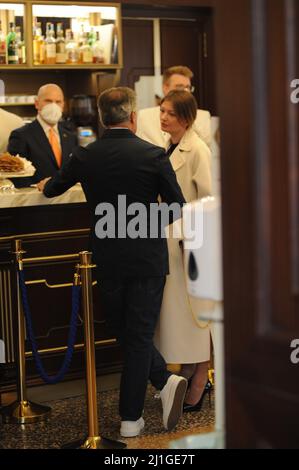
{"points": [[131, 270], [8, 122], [177, 77], [45, 141]]}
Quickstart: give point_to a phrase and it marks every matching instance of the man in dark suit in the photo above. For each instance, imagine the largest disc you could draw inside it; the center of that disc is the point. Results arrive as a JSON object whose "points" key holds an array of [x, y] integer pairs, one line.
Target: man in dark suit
{"points": [[119, 174], [45, 141]]}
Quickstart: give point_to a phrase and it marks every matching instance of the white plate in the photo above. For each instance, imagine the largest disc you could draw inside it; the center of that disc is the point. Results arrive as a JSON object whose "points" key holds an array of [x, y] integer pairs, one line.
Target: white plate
{"points": [[19, 174], [29, 170]]}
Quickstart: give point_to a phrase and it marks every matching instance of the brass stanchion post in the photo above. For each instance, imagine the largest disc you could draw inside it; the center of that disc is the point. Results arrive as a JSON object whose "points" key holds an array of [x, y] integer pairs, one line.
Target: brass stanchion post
{"points": [[22, 411], [94, 440]]}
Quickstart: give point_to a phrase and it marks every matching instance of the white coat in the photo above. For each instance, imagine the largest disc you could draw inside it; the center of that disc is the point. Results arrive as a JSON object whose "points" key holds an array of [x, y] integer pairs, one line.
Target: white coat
{"points": [[178, 336]]}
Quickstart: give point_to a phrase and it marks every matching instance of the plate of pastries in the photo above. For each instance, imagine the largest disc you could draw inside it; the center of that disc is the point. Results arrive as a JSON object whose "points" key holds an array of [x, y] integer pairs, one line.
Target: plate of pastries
{"points": [[14, 166]]}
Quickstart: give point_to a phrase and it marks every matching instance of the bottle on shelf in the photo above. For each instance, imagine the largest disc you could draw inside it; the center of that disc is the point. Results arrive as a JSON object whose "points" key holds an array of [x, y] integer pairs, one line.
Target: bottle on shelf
{"points": [[12, 47], [20, 46], [91, 37], [80, 36], [98, 51], [38, 45], [60, 45], [50, 45], [71, 47], [3, 59], [82, 43], [114, 51], [85, 51]]}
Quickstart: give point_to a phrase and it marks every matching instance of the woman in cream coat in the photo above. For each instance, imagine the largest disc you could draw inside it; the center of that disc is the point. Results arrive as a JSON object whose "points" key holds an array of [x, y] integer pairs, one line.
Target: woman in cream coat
{"points": [[178, 336]]}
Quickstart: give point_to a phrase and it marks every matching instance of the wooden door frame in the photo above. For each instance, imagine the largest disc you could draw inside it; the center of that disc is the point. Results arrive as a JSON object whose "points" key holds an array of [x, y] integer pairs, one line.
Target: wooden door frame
{"points": [[176, 11]]}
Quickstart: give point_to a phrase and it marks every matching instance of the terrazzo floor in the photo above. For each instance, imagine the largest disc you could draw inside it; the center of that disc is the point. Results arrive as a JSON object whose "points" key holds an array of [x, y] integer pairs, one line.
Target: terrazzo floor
{"points": [[68, 422]]}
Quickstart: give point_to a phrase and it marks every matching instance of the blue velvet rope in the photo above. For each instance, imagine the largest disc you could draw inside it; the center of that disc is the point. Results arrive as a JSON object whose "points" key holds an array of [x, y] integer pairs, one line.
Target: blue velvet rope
{"points": [[71, 338]]}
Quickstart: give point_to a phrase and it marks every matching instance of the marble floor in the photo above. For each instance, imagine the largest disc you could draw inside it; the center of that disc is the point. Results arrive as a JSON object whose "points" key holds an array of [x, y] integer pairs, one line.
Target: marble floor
{"points": [[68, 420]]}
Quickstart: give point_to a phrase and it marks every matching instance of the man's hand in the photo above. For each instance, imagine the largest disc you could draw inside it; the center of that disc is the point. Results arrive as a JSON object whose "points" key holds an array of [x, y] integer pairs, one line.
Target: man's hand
{"points": [[42, 183]]}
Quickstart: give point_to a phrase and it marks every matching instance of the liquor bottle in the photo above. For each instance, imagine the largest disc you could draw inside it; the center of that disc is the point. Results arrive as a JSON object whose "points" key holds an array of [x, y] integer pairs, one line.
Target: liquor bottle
{"points": [[114, 49], [20, 46], [71, 47], [50, 43], [85, 51], [60, 45], [91, 37], [2, 46], [98, 51], [38, 45], [12, 47]]}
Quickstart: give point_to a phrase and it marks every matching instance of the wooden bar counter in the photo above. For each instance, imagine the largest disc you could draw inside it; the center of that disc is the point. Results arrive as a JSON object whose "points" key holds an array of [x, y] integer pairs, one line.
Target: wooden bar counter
{"points": [[47, 227]]}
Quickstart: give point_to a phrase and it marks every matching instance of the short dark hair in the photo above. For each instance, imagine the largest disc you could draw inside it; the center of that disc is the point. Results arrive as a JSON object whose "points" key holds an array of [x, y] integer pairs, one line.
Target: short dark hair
{"points": [[116, 104], [184, 105], [178, 70]]}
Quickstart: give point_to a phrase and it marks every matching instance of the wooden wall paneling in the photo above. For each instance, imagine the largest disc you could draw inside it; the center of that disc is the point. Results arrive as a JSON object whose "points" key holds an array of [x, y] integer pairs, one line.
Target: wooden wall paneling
{"points": [[292, 39], [257, 184], [184, 34], [138, 50], [169, 3], [27, 82], [209, 70], [181, 43]]}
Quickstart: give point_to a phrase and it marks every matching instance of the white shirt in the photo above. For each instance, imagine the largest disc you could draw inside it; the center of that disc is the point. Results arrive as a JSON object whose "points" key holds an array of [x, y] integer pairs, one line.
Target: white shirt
{"points": [[46, 127]]}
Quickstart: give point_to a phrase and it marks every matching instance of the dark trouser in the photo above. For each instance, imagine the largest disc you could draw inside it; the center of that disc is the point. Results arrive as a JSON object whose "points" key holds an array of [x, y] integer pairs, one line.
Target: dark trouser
{"points": [[132, 308]]}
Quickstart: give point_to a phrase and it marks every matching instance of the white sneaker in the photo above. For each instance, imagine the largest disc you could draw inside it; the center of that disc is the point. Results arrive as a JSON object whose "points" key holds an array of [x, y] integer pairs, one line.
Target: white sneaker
{"points": [[131, 428], [172, 396]]}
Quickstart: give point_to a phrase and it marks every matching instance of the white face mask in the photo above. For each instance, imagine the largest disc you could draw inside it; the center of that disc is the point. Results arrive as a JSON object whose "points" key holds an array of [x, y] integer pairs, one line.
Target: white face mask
{"points": [[51, 113]]}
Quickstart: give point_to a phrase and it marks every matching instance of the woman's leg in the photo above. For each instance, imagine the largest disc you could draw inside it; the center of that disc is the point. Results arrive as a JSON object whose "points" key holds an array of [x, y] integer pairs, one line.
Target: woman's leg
{"points": [[187, 370], [198, 383]]}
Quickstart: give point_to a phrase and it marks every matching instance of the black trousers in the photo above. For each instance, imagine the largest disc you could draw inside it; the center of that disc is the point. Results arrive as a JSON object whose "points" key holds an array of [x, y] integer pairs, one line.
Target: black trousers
{"points": [[132, 308]]}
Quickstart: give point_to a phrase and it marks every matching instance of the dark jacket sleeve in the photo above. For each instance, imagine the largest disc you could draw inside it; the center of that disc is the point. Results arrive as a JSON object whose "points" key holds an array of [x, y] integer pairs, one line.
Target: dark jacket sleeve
{"points": [[67, 177]]}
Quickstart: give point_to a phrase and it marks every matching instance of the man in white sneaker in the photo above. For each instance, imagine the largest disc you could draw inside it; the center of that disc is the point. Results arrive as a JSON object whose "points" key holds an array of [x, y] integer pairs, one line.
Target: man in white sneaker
{"points": [[131, 271], [177, 77]]}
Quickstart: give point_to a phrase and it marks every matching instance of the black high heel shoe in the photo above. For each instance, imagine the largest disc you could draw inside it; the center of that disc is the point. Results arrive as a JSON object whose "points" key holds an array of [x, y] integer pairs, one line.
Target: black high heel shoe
{"points": [[197, 407]]}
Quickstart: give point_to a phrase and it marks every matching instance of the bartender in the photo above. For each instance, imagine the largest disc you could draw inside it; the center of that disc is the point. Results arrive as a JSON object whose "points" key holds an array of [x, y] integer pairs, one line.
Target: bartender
{"points": [[45, 141]]}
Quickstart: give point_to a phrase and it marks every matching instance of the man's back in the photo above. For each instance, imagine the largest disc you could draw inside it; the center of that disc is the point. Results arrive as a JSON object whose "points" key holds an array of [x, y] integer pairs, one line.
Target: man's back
{"points": [[120, 163], [117, 171]]}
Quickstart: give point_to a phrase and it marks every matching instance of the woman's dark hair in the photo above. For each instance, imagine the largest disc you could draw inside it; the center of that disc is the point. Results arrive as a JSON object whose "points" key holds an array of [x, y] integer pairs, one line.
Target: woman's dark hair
{"points": [[184, 105]]}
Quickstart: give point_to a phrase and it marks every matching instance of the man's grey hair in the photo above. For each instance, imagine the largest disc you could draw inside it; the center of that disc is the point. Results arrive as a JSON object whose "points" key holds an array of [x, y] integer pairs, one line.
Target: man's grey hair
{"points": [[116, 105]]}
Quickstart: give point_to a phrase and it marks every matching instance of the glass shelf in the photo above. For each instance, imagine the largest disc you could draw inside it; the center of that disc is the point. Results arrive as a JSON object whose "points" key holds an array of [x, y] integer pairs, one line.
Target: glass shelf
{"points": [[12, 34], [75, 35], [62, 35], [4, 105]]}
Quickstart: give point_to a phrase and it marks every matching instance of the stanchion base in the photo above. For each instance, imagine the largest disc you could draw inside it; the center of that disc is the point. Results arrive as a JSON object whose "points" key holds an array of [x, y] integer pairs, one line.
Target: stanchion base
{"points": [[24, 412], [95, 443]]}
